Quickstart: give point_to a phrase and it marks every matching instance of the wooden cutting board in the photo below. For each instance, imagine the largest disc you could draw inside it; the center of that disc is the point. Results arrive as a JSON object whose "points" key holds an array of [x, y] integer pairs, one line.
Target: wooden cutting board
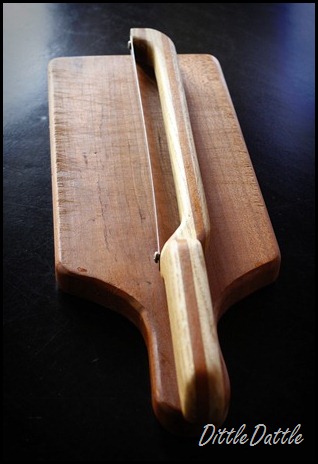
{"points": [[102, 195]]}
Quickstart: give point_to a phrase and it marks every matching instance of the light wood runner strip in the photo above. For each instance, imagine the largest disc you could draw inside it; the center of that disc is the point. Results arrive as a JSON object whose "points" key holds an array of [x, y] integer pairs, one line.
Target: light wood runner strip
{"points": [[200, 373]]}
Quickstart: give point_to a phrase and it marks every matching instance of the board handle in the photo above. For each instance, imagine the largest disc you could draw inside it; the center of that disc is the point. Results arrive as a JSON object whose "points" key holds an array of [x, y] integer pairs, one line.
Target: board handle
{"points": [[202, 378]]}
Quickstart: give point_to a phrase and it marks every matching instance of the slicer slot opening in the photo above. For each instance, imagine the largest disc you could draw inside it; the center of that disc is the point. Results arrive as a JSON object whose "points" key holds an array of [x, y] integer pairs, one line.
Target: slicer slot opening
{"points": [[164, 188]]}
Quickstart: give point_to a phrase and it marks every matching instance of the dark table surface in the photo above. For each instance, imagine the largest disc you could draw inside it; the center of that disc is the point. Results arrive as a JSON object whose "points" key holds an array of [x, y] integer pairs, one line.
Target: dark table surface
{"points": [[76, 378]]}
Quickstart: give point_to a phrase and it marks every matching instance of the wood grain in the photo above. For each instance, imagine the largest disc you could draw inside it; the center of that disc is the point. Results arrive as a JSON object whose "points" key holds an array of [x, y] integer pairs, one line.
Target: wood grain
{"points": [[103, 212]]}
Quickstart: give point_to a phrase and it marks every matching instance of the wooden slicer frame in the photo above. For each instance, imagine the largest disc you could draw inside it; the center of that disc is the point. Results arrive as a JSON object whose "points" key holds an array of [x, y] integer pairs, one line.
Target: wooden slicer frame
{"points": [[128, 130]]}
